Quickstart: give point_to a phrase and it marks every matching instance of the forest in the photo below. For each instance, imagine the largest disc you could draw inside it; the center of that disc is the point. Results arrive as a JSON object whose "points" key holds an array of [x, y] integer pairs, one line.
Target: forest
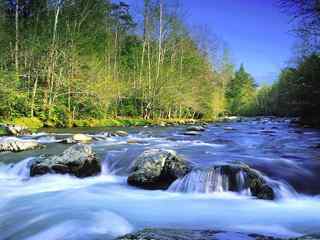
{"points": [[64, 62], [296, 93]]}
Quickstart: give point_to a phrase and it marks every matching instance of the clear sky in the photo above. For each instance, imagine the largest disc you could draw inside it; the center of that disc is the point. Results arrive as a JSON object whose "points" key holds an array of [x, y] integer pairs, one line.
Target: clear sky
{"points": [[256, 31]]}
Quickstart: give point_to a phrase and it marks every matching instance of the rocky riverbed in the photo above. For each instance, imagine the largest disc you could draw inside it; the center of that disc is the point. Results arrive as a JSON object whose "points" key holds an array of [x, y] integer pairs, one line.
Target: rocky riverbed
{"points": [[247, 179]]}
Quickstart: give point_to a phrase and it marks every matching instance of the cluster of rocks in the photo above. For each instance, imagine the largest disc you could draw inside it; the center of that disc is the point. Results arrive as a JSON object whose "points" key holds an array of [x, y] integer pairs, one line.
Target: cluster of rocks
{"points": [[78, 138], [153, 169], [182, 234], [13, 144], [159, 168], [181, 122], [17, 145], [85, 138], [15, 130]]}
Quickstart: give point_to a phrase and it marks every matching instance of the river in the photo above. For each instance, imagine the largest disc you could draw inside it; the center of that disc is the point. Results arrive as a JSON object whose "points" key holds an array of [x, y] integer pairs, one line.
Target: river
{"points": [[104, 207]]}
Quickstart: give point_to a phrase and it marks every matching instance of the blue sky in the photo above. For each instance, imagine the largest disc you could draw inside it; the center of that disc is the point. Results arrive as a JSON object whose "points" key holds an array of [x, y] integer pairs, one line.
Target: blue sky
{"points": [[256, 31]]}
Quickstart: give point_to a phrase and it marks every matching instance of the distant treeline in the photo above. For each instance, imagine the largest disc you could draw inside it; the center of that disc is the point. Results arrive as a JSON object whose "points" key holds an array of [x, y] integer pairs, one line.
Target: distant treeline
{"points": [[297, 91], [295, 94]]}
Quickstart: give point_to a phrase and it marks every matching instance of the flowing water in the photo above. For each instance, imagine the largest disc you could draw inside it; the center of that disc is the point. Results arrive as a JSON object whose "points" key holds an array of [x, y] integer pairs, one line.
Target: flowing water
{"points": [[104, 207]]}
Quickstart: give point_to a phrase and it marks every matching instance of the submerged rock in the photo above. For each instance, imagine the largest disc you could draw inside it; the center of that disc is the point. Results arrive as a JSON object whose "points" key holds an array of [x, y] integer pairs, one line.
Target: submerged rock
{"points": [[183, 234], [196, 129], [192, 133], [78, 160], [157, 169], [309, 237], [18, 145], [116, 134], [317, 146], [225, 177], [229, 129], [136, 141]]}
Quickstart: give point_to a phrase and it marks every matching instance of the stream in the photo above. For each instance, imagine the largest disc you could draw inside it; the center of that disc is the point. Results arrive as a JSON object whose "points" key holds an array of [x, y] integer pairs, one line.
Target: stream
{"points": [[55, 207]]}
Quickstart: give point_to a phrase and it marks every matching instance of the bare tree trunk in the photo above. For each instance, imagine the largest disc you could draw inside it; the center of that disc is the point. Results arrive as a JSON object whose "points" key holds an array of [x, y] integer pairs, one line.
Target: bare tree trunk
{"points": [[160, 39], [17, 37], [52, 58], [34, 92]]}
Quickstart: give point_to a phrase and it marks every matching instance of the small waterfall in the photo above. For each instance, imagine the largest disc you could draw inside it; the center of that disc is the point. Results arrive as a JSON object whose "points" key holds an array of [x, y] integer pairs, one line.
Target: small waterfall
{"points": [[20, 169], [209, 181], [282, 189], [112, 165], [242, 186], [227, 179]]}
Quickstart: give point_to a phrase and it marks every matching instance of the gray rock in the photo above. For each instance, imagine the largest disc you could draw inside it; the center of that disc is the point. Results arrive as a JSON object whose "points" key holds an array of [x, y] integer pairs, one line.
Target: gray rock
{"points": [[235, 177], [181, 234], [82, 138], [121, 133], [157, 169], [18, 145], [196, 129], [78, 160], [255, 181], [78, 138], [116, 134], [192, 133]]}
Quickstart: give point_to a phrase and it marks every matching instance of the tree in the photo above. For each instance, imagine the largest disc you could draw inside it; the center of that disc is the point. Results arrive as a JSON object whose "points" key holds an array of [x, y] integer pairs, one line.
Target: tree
{"points": [[240, 92], [306, 18]]}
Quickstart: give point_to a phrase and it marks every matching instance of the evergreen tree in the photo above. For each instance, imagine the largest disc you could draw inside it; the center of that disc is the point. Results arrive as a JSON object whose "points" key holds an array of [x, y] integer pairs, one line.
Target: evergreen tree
{"points": [[240, 92]]}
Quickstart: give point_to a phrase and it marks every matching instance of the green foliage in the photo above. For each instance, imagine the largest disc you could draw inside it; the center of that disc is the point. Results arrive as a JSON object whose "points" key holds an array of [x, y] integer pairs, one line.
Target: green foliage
{"points": [[85, 60], [111, 122], [3, 132], [296, 93], [13, 100], [31, 123], [240, 92]]}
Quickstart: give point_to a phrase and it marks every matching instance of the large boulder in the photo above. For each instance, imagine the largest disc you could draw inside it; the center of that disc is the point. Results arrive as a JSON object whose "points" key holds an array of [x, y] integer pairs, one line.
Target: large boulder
{"points": [[17, 145], [253, 180], [157, 169], [78, 160], [234, 177]]}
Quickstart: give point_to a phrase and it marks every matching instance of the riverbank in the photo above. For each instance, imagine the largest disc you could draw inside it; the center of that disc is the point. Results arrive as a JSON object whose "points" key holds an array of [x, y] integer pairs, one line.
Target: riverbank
{"points": [[34, 124]]}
